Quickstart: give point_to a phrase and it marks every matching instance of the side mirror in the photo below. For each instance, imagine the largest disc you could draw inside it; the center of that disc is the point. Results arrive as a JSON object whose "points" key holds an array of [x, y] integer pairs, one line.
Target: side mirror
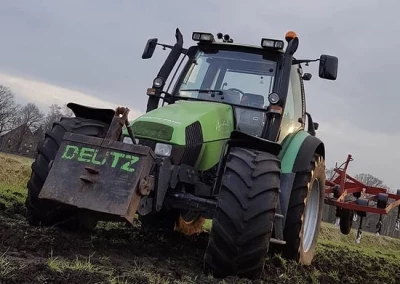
{"points": [[149, 48], [328, 66]]}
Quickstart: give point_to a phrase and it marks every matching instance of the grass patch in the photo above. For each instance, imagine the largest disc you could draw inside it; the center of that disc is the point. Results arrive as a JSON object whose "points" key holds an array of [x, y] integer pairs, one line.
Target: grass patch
{"points": [[59, 265], [6, 268], [14, 175], [371, 245]]}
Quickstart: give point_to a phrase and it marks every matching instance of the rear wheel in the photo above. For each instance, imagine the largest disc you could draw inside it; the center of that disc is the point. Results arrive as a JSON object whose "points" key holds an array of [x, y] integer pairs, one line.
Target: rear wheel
{"points": [[46, 212], [243, 222], [304, 214]]}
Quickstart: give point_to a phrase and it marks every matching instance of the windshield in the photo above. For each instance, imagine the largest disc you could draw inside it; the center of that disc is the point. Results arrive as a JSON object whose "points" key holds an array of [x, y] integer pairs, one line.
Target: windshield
{"points": [[232, 76]]}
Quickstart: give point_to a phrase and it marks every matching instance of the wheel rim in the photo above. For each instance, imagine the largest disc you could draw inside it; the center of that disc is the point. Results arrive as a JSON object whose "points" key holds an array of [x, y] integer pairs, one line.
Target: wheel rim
{"points": [[311, 216]]}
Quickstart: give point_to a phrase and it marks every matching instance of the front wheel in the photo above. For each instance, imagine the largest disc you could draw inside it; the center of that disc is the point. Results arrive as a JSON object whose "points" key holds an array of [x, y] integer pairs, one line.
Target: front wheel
{"points": [[304, 214], [244, 219]]}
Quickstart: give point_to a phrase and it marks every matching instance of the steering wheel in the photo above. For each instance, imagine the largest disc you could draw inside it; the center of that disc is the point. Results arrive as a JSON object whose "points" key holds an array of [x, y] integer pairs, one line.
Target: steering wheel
{"points": [[237, 90]]}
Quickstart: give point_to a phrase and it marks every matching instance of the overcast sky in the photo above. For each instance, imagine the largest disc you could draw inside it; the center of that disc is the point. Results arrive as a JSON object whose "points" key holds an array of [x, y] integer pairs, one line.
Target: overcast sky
{"points": [[90, 51]]}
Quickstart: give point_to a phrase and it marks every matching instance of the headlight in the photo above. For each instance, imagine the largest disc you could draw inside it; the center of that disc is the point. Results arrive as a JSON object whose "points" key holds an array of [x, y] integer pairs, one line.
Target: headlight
{"points": [[163, 149], [128, 140]]}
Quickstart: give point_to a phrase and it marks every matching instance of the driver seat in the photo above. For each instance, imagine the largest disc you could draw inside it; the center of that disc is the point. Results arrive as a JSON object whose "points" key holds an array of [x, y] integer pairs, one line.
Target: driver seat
{"points": [[251, 121], [254, 100]]}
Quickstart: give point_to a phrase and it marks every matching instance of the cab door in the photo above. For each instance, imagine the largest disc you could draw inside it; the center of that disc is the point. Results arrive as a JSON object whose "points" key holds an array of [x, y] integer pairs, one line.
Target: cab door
{"points": [[294, 112]]}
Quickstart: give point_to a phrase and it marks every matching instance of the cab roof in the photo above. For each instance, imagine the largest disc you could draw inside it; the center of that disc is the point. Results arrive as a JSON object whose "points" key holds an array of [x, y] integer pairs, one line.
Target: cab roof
{"points": [[234, 44]]}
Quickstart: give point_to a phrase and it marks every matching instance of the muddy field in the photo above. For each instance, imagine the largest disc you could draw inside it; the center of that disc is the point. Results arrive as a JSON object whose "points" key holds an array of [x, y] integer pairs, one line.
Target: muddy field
{"points": [[114, 253], [117, 254]]}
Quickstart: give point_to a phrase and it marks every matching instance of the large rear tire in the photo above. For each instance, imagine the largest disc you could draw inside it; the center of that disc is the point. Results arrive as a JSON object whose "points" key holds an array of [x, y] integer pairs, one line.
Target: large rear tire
{"points": [[244, 219], [42, 212], [306, 204]]}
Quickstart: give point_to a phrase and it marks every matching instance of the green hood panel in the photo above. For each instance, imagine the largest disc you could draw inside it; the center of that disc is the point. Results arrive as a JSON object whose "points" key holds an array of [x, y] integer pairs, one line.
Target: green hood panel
{"points": [[169, 123]]}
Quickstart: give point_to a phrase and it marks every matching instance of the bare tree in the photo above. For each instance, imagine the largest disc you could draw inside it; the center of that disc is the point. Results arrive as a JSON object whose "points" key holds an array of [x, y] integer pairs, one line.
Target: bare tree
{"points": [[31, 115], [67, 111], [54, 114], [370, 180], [8, 109]]}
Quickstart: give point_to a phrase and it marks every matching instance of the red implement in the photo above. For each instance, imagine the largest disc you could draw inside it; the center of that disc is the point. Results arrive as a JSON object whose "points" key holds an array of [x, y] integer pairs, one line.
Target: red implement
{"points": [[354, 198]]}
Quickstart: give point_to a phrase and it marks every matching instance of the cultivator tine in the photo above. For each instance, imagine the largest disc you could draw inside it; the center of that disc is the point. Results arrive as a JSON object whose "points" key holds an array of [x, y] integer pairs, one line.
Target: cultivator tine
{"points": [[337, 221], [379, 226], [359, 234], [397, 226], [355, 217], [359, 231]]}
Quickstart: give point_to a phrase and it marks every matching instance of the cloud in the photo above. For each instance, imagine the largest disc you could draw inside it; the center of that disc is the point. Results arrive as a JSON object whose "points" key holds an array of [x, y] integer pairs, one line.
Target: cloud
{"points": [[374, 153], [44, 94]]}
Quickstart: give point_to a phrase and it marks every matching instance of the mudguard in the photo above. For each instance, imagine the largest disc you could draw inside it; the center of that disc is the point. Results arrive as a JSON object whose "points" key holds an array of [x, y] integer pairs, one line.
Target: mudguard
{"points": [[309, 147], [297, 152], [100, 114], [241, 139]]}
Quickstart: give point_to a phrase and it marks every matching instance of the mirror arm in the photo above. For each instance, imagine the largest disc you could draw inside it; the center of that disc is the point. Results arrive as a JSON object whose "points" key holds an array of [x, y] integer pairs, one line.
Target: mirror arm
{"points": [[311, 128], [165, 45], [184, 50], [298, 61]]}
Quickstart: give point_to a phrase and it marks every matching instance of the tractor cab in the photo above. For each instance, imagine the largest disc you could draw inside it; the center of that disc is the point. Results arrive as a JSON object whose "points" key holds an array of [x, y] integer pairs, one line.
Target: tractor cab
{"points": [[242, 79], [263, 84]]}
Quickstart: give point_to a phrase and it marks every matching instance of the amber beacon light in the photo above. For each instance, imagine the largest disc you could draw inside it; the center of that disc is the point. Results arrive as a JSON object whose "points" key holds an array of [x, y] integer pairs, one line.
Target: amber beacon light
{"points": [[290, 35]]}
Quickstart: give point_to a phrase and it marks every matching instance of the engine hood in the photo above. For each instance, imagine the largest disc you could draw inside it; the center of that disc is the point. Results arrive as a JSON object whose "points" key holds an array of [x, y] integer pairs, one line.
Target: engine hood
{"points": [[175, 122]]}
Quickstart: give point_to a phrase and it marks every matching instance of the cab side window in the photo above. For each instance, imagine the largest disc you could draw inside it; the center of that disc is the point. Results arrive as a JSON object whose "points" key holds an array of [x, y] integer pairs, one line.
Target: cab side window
{"points": [[294, 105]]}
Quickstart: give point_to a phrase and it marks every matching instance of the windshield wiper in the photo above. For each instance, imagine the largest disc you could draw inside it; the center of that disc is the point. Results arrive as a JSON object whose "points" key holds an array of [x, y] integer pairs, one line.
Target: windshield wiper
{"points": [[220, 92]]}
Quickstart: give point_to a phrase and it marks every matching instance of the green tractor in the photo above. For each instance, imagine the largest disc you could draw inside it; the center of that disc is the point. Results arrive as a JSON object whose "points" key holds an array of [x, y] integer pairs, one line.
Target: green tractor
{"points": [[231, 141]]}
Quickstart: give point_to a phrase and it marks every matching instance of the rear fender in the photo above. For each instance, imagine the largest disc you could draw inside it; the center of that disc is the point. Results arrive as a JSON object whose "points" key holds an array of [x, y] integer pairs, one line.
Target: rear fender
{"points": [[100, 114], [299, 150]]}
